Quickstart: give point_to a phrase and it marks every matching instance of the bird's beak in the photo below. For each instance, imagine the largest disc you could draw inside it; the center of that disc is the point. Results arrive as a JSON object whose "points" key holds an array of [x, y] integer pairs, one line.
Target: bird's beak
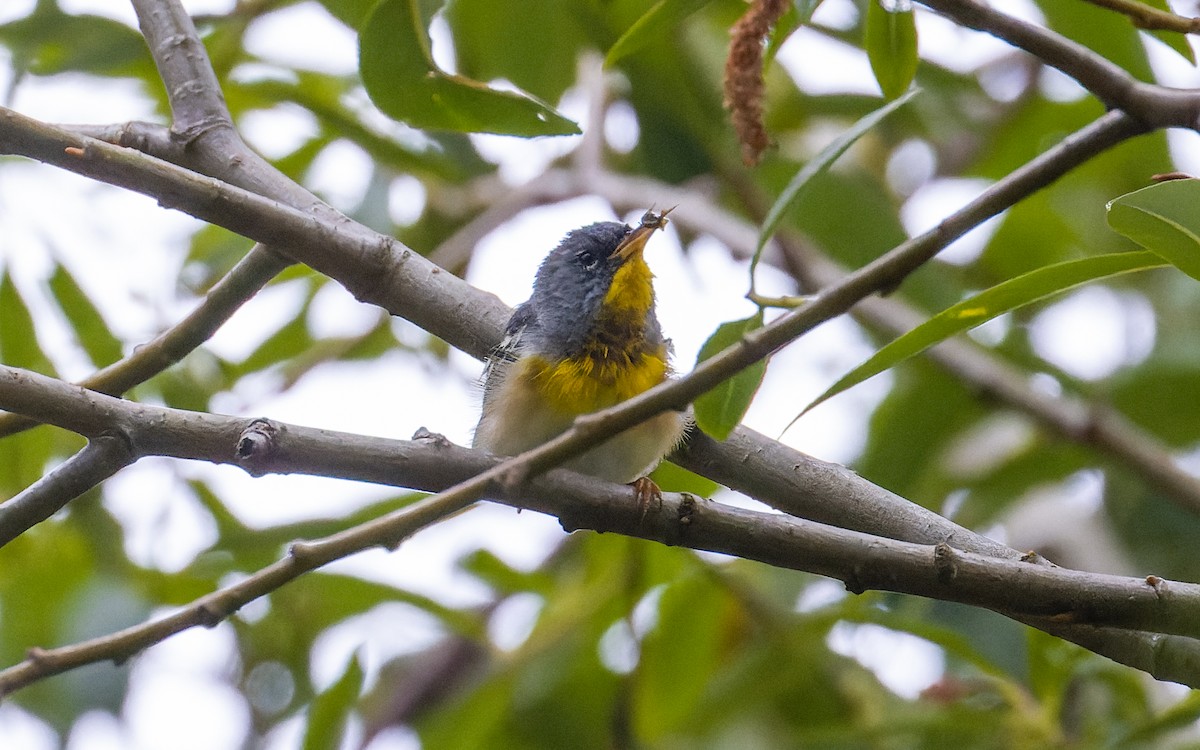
{"points": [[636, 240]]}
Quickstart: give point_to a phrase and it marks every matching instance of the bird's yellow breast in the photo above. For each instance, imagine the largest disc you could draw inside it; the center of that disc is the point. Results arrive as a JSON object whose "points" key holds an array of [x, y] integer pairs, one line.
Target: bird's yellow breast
{"points": [[585, 384], [631, 289], [615, 363]]}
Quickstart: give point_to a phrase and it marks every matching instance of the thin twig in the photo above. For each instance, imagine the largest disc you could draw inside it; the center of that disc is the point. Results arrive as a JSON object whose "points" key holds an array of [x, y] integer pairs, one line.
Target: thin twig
{"points": [[102, 457], [225, 297], [1156, 106], [1150, 18]]}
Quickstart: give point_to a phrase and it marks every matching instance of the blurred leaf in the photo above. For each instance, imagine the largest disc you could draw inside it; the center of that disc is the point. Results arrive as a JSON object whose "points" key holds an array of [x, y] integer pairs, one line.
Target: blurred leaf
{"points": [[1164, 219], [679, 657], [49, 41], [1110, 34], [92, 333], [815, 167], [943, 407], [329, 712], [350, 12], [721, 409], [1023, 290], [1161, 397], [657, 23], [1179, 716], [494, 41], [399, 73], [504, 578], [18, 338], [24, 458], [891, 42], [214, 251]]}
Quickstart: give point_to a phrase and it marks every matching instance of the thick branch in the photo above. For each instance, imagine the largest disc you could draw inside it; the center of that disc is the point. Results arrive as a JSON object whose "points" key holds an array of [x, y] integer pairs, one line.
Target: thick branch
{"points": [[1044, 595], [373, 267], [369, 264], [201, 121]]}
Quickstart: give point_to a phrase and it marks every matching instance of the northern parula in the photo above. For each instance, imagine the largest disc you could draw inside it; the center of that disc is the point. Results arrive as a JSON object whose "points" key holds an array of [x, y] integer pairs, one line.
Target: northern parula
{"points": [[587, 339]]}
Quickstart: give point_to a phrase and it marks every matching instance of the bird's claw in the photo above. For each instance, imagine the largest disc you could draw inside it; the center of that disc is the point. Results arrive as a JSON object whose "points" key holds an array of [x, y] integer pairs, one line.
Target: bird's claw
{"points": [[646, 492]]}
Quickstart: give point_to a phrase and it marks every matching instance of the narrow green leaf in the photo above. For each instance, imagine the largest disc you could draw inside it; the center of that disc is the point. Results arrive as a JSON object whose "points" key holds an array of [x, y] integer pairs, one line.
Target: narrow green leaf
{"points": [[654, 25], [891, 42], [329, 712], [401, 77], [18, 341], [1165, 219], [1002, 298], [795, 190], [90, 329], [720, 410]]}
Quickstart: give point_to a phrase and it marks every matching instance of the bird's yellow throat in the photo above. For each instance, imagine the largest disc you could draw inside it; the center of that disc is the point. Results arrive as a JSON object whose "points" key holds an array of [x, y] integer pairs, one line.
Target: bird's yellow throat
{"points": [[614, 364]]}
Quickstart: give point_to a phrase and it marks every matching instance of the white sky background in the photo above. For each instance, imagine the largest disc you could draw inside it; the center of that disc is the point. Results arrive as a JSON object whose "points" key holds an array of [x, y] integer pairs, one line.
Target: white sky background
{"points": [[180, 698]]}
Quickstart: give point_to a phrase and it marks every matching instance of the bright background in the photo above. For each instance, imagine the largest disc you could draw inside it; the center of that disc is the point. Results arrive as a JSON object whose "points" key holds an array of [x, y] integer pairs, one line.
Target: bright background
{"points": [[180, 696]]}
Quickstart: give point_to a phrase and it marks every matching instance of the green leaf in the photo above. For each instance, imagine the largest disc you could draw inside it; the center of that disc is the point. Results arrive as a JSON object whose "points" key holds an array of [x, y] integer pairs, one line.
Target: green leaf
{"points": [[680, 658], [401, 77], [815, 167], [1002, 298], [1165, 219], [329, 712], [675, 478], [350, 12], [18, 341], [720, 410], [656, 24], [48, 42], [891, 43], [90, 329]]}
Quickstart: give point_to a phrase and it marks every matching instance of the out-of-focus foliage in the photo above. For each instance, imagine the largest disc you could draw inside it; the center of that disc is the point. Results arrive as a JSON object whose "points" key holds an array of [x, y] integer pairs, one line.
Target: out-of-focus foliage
{"points": [[628, 644]]}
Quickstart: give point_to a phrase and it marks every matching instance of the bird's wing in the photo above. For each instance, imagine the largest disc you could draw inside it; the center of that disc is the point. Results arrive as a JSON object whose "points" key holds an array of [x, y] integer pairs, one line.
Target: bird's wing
{"points": [[509, 349]]}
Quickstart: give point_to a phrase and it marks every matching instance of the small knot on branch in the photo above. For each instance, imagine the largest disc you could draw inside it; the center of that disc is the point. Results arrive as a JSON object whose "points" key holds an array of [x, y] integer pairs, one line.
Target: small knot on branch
{"points": [[208, 614], [256, 445], [945, 562], [424, 435], [1159, 585]]}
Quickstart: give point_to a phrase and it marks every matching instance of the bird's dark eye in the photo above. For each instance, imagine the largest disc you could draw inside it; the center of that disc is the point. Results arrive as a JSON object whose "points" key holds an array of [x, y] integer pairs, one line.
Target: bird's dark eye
{"points": [[587, 260]]}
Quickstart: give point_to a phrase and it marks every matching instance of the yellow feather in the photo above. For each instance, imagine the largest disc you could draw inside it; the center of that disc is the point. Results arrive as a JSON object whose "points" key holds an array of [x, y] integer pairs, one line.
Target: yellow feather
{"points": [[579, 386], [631, 288]]}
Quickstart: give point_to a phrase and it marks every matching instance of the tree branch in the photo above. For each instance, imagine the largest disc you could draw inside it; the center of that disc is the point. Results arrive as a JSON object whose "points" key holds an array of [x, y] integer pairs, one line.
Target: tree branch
{"points": [[103, 456], [371, 265], [225, 297], [1055, 599], [1150, 18], [1156, 106]]}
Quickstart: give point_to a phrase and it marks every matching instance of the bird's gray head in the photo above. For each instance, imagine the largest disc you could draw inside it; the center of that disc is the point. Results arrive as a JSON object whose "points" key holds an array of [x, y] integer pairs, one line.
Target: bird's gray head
{"points": [[572, 282]]}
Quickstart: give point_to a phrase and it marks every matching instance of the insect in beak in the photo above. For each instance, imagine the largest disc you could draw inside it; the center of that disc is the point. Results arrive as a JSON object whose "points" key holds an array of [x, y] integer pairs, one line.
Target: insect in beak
{"points": [[635, 241]]}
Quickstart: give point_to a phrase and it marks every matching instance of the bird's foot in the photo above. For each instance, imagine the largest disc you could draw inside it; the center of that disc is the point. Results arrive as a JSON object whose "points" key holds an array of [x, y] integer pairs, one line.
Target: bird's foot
{"points": [[646, 492]]}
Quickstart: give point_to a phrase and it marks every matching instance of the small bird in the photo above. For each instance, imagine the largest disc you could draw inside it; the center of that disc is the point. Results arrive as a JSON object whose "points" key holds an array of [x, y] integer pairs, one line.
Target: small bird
{"points": [[587, 339]]}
